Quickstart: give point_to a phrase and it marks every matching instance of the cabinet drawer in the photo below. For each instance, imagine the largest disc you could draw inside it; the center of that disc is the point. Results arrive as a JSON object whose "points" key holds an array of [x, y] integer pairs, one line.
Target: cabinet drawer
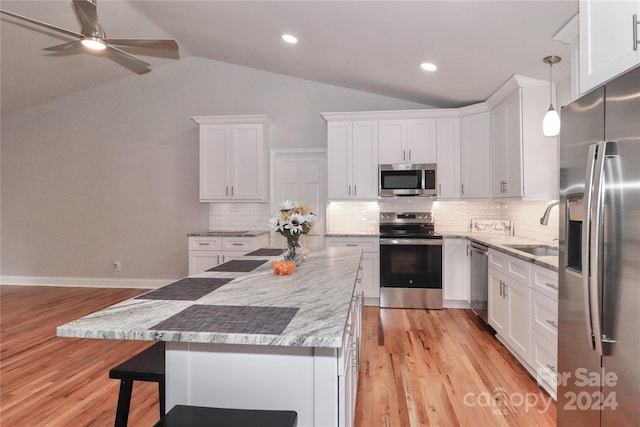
{"points": [[544, 312], [545, 281], [544, 359], [367, 244], [237, 244], [205, 243], [497, 260], [518, 269]]}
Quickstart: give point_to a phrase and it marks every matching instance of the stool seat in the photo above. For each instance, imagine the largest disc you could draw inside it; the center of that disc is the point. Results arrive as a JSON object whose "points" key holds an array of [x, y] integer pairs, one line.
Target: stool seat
{"points": [[148, 365], [198, 416]]}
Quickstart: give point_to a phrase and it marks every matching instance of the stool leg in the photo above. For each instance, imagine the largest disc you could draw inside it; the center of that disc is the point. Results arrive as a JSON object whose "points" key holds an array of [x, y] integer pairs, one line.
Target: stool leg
{"points": [[161, 397], [124, 401]]}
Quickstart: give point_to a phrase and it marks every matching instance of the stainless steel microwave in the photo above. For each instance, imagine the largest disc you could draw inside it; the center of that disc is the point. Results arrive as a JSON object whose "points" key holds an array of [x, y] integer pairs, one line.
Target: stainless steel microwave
{"points": [[407, 180]]}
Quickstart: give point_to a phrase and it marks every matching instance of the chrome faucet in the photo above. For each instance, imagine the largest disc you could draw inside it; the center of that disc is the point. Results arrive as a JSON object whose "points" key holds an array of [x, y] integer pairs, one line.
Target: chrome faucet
{"points": [[545, 217]]}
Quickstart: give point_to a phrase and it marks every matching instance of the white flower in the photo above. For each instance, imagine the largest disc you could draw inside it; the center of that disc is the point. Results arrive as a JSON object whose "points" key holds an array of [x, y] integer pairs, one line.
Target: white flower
{"points": [[288, 204], [275, 223], [295, 223]]}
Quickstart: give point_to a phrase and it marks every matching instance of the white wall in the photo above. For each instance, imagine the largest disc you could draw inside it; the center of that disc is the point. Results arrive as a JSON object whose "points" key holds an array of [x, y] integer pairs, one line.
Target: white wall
{"points": [[111, 173]]}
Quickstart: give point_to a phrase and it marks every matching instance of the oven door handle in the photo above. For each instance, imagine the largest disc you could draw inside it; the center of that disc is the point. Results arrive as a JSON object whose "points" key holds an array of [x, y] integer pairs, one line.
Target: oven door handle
{"points": [[412, 242]]}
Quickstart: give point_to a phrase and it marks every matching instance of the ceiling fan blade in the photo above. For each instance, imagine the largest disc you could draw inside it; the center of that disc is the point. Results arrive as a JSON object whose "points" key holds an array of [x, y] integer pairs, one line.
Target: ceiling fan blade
{"points": [[43, 24], [64, 47], [133, 63], [167, 44], [88, 16]]}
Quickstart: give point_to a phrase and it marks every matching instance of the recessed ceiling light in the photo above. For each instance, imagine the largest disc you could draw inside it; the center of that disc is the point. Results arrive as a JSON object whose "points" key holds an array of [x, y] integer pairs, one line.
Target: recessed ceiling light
{"points": [[428, 66], [289, 38]]}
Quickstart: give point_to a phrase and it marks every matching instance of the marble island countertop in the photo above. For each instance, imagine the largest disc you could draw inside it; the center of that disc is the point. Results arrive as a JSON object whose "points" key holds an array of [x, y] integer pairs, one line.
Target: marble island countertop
{"points": [[239, 302]]}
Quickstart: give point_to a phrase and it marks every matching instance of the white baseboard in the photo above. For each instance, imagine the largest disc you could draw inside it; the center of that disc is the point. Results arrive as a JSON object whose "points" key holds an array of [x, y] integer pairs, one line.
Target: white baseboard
{"points": [[454, 303], [84, 282]]}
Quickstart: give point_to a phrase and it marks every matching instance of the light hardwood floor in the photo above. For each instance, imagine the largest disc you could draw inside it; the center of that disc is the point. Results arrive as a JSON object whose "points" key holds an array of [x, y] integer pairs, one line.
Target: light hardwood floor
{"points": [[418, 368]]}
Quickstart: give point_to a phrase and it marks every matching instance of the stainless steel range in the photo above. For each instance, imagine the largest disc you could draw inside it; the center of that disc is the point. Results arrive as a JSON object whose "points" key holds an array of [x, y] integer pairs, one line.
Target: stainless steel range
{"points": [[410, 261]]}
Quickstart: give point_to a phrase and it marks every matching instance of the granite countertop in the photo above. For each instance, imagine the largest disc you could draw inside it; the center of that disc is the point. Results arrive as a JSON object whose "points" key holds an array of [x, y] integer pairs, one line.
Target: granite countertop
{"points": [[239, 302], [499, 242], [228, 233]]}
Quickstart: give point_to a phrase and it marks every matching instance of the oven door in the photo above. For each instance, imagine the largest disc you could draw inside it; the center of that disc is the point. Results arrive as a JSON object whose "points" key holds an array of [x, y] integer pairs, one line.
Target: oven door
{"points": [[411, 263]]}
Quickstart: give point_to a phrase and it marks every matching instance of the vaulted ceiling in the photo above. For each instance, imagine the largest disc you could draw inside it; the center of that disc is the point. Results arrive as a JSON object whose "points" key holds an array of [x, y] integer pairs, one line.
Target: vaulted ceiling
{"points": [[373, 46]]}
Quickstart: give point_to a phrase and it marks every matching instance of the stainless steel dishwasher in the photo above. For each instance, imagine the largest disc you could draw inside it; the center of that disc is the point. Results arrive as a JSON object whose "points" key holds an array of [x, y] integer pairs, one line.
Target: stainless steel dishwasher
{"points": [[479, 278]]}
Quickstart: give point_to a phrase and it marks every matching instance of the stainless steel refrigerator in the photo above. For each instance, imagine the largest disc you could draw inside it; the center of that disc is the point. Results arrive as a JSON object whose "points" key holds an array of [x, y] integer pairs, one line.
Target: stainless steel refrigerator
{"points": [[599, 268]]}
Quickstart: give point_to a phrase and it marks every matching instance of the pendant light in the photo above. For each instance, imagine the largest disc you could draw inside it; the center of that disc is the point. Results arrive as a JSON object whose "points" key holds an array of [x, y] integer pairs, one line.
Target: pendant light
{"points": [[551, 121]]}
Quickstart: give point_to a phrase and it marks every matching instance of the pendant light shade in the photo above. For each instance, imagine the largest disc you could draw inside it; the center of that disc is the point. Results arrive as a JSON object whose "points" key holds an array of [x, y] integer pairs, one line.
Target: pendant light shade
{"points": [[551, 121]]}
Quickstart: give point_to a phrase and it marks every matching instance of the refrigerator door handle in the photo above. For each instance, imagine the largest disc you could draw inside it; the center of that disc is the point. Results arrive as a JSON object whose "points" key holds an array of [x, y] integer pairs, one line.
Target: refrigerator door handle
{"points": [[586, 242], [596, 254]]}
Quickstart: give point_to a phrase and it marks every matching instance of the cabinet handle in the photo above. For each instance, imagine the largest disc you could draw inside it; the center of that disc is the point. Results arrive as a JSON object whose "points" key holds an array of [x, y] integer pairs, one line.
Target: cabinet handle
{"points": [[349, 189], [501, 288], [404, 157], [204, 244], [355, 190], [552, 323], [227, 191], [461, 189], [352, 244], [237, 244], [551, 367], [635, 31], [218, 259], [440, 189], [552, 286], [232, 191], [409, 155]]}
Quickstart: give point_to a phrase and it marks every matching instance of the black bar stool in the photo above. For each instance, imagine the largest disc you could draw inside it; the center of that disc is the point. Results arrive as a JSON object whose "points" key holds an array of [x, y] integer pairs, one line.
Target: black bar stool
{"points": [[198, 416], [147, 365]]}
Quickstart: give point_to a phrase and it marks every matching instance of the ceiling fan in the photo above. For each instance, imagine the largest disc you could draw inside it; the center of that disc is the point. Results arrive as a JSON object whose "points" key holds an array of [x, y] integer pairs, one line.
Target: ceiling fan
{"points": [[93, 37]]}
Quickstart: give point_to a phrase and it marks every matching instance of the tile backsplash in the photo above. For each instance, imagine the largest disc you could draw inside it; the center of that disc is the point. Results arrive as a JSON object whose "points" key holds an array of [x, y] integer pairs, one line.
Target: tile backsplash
{"points": [[449, 216], [362, 217]]}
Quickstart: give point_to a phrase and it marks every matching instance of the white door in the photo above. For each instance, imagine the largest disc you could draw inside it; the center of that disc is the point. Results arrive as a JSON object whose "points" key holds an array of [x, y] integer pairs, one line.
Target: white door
{"points": [[300, 175]]}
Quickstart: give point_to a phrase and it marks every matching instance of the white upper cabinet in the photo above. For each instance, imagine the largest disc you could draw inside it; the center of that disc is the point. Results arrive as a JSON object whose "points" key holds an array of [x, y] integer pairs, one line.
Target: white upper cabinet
{"points": [[448, 158], [475, 156], [352, 154], [407, 141], [608, 40], [233, 158], [525, 162]]}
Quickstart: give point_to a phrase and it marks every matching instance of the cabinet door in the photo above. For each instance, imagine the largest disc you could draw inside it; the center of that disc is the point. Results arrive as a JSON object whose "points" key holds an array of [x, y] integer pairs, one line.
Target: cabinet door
{"points": [[371, 277], [339, 142], [200, 261], [475, 156], [448, 155], [456, 270], [247, 163], [514, 145], [215, 146], [421, 141], [498, 304], [606, 40], [393, 140], [364, 160], [519, 335], [507, 142]]}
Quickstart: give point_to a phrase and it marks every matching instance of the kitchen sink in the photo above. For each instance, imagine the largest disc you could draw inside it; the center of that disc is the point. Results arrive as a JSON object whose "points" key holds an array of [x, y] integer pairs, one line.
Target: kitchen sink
{"points": [[537, 250]]}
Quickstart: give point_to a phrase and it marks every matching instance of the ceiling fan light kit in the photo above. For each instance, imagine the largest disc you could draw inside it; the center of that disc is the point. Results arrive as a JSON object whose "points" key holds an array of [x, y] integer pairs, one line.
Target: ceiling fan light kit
{"points": [[551, 121], [93, 37]]}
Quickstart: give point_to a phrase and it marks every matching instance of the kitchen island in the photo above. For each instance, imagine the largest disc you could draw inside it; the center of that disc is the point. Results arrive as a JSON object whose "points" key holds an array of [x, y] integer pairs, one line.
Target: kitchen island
{"points": [[238, 336]]}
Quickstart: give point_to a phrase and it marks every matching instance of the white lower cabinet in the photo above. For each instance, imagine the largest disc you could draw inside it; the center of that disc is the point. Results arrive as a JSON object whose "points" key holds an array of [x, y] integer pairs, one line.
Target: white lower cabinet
{"points": [[349, 360], [206, 252], [523, 310], [455, 280], [370, 264]]}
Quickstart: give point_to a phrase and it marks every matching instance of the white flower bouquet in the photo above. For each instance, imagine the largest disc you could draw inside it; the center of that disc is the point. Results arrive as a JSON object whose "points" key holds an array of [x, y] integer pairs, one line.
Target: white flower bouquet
{"points": [[293, 220]]}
